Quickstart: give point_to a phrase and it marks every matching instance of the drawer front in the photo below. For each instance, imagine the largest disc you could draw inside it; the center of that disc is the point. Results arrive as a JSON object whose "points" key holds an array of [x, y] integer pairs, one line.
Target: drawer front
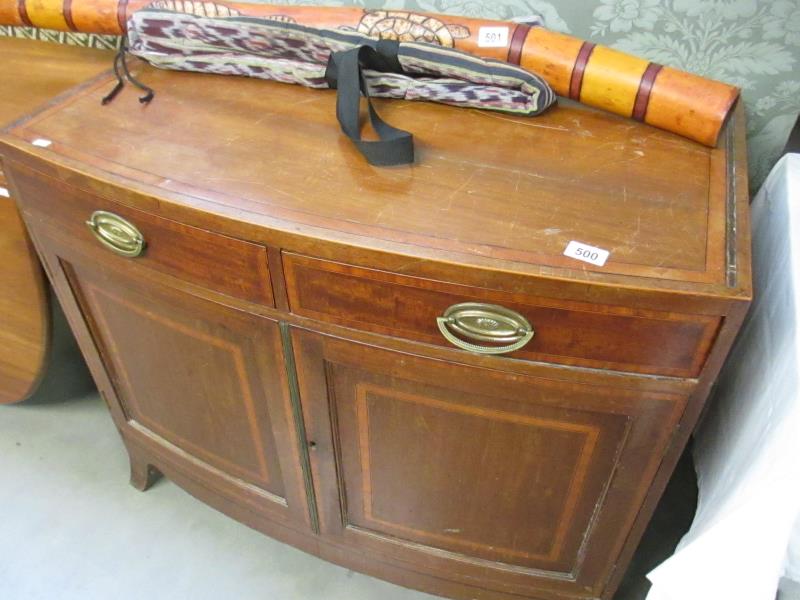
{"points": [[564, 332], [217, 262]]}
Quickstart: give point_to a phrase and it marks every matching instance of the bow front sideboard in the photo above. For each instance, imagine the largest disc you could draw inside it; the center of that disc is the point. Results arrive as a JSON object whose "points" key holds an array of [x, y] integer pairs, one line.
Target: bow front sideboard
{"points": [[398, 370]]}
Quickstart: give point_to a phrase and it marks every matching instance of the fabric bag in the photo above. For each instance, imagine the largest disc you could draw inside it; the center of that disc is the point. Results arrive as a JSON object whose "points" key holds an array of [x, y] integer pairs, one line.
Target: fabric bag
{"points": [[281, 50]]}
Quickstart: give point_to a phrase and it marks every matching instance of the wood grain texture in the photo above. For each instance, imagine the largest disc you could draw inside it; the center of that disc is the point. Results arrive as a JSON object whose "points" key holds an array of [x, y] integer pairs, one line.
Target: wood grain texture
{"points": [[24, 309], [739, 234], [589, 335], [222, 263], [204, 381], [290, 374], [605, 66], [35, 72], [31, 74], [507, 192], [143, 331], [438, 464]]}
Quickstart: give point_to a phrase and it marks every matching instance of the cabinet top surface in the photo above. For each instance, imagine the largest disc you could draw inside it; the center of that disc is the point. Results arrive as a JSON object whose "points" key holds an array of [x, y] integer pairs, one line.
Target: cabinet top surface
{"points": [[502, 192], [33, 72]]}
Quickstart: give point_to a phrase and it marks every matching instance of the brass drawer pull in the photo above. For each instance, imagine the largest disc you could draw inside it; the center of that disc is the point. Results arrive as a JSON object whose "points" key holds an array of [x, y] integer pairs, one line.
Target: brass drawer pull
{"points": [[485, 323], [116, 234]]}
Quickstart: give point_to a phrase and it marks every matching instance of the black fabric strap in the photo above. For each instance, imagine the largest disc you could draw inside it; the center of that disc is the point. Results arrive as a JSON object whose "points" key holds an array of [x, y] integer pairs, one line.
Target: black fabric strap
{"points": [[345, 74]]}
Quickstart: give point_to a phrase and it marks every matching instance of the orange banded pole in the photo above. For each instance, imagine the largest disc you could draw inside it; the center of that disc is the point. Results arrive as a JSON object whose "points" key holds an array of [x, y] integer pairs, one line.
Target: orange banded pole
{"points": [[595, 75]]}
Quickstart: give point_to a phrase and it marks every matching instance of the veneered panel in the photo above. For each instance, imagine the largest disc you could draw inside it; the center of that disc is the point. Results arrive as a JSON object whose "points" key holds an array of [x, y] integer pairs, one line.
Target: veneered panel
{"points": [[188, 374], [523, 482], [570, 333], [448, 471], [221, 263]]}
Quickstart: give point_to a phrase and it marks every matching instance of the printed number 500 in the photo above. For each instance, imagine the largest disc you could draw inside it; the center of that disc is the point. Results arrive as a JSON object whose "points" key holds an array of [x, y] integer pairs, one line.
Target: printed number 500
{"points": [[586, 253]]}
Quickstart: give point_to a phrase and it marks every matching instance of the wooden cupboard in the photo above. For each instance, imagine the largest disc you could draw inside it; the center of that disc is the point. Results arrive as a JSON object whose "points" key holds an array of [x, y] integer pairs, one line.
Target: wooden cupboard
{"points": [[428, 396]]}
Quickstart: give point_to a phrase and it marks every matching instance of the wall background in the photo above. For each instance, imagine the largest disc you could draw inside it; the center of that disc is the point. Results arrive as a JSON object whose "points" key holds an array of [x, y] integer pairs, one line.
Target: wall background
{"points": [[754, 44]]}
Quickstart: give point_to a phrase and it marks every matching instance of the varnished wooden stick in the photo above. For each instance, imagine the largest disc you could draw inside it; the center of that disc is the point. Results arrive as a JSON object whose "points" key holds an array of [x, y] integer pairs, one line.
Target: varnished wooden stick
{"points": [[598, 76]]}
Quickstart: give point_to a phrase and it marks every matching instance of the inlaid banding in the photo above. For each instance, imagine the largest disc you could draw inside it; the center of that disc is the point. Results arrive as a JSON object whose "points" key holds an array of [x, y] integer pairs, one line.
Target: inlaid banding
{"points": [[23, 13], [645, 88], [576, 80], [517, 43], [67, 9], [122, 15]]}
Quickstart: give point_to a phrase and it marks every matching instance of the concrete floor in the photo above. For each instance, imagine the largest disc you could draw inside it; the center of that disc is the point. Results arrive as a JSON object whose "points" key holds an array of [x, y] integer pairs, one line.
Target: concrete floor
{"points": [[71, 528]]}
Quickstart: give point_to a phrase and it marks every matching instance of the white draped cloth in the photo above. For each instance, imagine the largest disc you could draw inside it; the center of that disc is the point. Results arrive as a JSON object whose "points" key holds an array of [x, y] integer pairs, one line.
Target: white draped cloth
{"points": [[746, 533]]}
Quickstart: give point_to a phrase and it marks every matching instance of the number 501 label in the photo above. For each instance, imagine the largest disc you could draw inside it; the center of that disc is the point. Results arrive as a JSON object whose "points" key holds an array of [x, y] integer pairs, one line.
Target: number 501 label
{"points": [[493, 37], [586, 253]]}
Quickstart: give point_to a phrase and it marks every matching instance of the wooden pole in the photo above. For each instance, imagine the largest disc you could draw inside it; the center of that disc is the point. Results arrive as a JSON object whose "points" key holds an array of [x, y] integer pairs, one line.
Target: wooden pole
{"points": [[596, 75]]}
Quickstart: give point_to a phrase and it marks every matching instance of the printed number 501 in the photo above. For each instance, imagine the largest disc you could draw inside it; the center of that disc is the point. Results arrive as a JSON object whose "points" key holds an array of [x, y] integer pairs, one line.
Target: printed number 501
{"points": [[493, 37]]}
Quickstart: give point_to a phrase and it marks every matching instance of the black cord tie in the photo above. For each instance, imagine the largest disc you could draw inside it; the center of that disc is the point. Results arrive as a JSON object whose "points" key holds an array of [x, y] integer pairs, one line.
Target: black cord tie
{"points": [[122, 73]]}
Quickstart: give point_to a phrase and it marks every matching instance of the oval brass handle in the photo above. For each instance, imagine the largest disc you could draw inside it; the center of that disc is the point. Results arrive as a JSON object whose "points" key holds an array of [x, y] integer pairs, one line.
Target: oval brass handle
{"points": [[116, 234], [485, 323]]}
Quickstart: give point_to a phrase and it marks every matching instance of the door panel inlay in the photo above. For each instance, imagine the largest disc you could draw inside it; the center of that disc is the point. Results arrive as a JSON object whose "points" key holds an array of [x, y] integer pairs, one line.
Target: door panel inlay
{"points": [[529, 434], [531, 461], [186, 378]]}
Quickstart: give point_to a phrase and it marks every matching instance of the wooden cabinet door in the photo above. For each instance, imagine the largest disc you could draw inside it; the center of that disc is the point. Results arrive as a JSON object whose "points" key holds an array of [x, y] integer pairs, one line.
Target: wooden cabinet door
{"points": [[510, 482], [200, 384]]}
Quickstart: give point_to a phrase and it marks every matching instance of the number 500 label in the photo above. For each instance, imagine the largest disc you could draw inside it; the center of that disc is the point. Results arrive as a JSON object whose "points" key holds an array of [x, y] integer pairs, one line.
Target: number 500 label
{"points": [[586, 253]]}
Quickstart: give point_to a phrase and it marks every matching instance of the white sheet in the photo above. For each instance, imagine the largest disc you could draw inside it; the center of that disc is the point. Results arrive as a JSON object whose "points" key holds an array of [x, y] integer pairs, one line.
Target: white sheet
{"points": [[747, 450]]}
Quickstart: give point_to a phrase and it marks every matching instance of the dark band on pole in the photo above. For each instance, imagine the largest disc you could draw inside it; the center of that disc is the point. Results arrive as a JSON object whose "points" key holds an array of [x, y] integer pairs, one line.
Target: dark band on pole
{"points": [[576, 80], [645, 88], [23, 13], [67, 9], [517, 43], [122, 15]]}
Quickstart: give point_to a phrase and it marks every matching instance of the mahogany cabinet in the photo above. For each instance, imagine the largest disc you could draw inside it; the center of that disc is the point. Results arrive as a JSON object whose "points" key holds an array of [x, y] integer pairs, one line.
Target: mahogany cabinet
{"points": [[397, 370]]}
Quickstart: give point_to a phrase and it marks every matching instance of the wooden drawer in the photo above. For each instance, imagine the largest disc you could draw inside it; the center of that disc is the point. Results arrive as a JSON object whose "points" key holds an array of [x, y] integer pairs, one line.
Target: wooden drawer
{"points": [[227, 265], [566, 332]]}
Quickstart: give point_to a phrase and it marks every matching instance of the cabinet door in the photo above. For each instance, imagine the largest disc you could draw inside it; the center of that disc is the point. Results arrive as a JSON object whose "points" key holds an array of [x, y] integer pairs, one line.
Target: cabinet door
{"points": [[515, 483], [200, 384]]}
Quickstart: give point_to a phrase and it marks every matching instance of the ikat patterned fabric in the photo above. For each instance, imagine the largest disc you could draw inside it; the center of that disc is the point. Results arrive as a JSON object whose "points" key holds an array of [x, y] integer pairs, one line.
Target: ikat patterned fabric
{"points": [[292, 53]]}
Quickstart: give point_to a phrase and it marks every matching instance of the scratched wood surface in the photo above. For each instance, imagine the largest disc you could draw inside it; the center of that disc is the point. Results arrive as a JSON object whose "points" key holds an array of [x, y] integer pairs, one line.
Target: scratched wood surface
{"points": [[510, 192], [31, 73]]}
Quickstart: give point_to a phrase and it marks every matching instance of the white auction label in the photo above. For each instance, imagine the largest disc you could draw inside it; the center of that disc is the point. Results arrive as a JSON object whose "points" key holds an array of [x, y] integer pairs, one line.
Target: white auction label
{"points": [[41, 142], [587, 253], [493, 37], [4, 192]]}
